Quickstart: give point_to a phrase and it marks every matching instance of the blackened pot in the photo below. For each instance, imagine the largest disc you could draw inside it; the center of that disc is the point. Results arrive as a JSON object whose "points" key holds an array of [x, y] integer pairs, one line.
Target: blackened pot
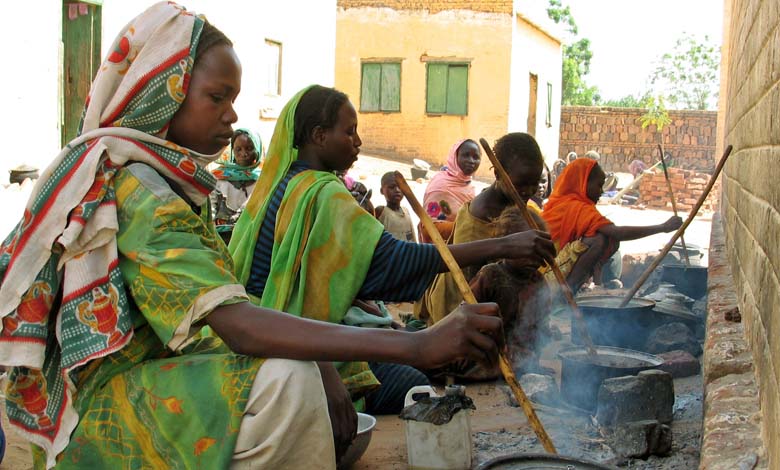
{"points": [[611, 325], [539, 462], [582, 374], [690, 280]]}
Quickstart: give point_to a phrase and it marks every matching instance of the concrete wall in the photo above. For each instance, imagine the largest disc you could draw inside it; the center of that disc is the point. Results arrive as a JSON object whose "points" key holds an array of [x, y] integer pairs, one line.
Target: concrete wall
{"points": [[30, 94], [534, 52], [617, 134], [484, 38], [751, 196]]}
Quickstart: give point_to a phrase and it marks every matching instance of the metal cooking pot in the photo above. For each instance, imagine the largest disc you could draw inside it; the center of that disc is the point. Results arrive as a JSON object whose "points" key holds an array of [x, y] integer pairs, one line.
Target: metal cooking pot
{"points": [[690, 280], [582, 374], [612, 325], [20, 173], [540, 462]]}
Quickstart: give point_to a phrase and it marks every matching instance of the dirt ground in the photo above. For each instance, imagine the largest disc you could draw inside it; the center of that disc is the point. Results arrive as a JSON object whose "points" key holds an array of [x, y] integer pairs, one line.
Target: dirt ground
{"points": [[497, 429]]}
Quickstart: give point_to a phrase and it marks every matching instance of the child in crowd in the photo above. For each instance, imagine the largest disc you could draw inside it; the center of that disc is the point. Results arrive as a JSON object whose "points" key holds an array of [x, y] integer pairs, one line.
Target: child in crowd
{"points": [[236, 177], [395, 218]]}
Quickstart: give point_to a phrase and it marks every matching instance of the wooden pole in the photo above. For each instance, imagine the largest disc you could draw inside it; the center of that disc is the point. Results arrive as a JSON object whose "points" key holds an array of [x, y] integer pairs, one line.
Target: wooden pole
{"points": [[674, 203], [509, 187], [468, 296], [616, 199], [679, 231]]}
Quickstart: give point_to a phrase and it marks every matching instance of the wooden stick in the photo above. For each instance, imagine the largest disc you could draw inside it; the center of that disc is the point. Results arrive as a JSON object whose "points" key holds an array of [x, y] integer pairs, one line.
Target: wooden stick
{"points": [[468, 296], [507, 183], [616, 198], [674, 203], [679, 231]]}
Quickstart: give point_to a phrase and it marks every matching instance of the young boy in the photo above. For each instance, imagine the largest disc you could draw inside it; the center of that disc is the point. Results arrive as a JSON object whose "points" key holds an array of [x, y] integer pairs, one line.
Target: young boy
{"points": [[395, 218]]}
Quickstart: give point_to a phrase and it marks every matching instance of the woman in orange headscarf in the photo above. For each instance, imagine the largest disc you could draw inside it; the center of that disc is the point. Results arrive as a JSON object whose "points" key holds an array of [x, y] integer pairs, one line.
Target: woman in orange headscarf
{"points": [[584, 237]]}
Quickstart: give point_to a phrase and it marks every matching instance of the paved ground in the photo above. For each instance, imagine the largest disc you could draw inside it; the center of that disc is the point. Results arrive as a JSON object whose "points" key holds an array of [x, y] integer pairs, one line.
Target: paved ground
{"points": [[388, 449]]}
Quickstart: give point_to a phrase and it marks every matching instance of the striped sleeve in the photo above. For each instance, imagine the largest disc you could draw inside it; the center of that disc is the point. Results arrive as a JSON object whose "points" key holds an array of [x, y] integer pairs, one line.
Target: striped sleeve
{"points": [[400, 271]]}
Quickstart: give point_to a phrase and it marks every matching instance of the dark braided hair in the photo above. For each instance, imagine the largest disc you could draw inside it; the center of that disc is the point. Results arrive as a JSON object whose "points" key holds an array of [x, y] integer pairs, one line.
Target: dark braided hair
{"points": [[318, 107], [209, 37], [515, 146]]}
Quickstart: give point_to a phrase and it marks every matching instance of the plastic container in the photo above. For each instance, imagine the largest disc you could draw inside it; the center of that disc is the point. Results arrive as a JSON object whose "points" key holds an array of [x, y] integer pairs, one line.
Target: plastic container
{"points": [[443, 447]]}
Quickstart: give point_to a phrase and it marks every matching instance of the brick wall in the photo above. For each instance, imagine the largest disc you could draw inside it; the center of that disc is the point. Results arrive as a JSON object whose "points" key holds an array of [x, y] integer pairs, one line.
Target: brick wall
{"points": [[433, 6], [750, 101], [617, 134], [687, 186]]}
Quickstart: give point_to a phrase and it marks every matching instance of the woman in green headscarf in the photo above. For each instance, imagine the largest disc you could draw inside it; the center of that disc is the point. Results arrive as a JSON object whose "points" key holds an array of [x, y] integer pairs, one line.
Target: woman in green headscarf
{"points": [[303, 244], [237, 176]]}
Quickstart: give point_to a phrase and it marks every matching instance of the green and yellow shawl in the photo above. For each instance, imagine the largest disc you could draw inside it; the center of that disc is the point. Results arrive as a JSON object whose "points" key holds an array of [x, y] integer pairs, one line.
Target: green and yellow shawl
{"points": [[323, 241]]}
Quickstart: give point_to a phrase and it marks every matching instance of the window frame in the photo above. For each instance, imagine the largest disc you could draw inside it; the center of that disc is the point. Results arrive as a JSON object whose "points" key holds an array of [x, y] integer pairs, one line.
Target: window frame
{"points": [[548, 117], [450, 64], [278, 44], [381, 62]]}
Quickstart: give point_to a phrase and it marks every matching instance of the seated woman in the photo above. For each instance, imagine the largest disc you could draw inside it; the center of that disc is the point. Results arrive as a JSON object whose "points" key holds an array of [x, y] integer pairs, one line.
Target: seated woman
{"points": [[451, 187], [237, 176], [116, 266], [304, 246], [584, 237], [477, 220]]}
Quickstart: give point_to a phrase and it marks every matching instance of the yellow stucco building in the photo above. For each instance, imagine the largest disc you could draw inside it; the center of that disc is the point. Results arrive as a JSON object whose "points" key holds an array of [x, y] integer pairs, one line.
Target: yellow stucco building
{"points": [[425, 74]]}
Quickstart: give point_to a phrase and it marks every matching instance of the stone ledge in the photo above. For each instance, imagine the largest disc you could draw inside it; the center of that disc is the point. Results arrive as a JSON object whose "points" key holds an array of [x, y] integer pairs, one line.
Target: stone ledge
{"points": [[732, 415]]}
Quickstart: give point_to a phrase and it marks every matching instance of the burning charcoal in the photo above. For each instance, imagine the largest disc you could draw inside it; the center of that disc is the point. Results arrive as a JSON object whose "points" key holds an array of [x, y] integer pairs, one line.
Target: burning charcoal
{"points": [[641, 439], [671, 337], [649, 395]]}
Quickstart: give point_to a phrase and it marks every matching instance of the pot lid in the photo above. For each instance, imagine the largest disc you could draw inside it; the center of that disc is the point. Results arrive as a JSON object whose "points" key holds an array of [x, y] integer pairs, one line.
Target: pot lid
{"points": [[674, 304], [23, 169], [612, 301]]}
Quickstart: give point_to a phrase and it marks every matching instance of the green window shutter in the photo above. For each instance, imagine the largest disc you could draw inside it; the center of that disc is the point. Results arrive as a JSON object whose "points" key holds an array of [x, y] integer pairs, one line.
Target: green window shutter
{"points": [[548, 120], [391, 87], [436, 95], [458, 89], [369, 87]]}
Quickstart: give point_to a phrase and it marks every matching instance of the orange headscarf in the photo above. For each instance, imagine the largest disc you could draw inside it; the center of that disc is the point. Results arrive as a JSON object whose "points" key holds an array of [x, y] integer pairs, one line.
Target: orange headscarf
{"points": [[569, 213]]}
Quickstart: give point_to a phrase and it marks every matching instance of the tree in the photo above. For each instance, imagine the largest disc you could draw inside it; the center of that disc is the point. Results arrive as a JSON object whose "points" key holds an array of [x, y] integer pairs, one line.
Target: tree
{"points": [[629, 101], [688, 76], [576, 61]]}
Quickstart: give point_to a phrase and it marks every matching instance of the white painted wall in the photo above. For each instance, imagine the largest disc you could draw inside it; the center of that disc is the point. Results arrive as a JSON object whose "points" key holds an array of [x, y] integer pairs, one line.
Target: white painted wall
{"points": [[534, 52], [29, 104], [30, 48]]}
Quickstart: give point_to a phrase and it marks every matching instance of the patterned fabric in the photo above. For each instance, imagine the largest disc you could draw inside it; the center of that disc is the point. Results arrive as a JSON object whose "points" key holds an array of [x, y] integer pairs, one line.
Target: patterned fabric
{"points": [[132, 403], [229, 170], [449, 188], [63, 297], [569, 214]]}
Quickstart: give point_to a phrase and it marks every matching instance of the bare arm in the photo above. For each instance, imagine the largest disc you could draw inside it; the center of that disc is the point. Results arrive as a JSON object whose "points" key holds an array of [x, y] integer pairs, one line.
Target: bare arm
{"points": [[471, 331], [634, 232], [533, 245]]}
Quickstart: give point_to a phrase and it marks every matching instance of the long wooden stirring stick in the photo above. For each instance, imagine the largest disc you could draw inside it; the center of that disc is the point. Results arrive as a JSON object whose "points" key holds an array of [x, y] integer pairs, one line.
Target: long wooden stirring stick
{"points": [[674, 202], [680, 230], [468, 296], [508, 186]]}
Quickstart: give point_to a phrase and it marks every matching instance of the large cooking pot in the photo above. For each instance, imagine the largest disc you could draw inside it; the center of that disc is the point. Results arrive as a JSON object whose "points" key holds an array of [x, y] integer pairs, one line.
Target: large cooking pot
{"points": [[539, 462], [609, 324], [690, 280], [582, 374], [21, 173]]}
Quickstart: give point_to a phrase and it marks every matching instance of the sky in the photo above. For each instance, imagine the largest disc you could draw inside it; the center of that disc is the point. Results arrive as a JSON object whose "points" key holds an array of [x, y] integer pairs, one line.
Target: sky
{"points": [[629, 36]]}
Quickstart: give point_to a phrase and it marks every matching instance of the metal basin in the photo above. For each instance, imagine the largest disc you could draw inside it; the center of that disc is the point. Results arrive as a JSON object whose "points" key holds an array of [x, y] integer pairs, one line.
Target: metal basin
{"points": [[540, 462], [611, 325], [582, 374], [358, 447]]}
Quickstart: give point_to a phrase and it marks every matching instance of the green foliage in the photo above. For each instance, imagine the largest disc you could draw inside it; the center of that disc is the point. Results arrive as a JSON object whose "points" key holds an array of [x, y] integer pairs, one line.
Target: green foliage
{"points": [[576, 61], [656, 113], [689, 75]]}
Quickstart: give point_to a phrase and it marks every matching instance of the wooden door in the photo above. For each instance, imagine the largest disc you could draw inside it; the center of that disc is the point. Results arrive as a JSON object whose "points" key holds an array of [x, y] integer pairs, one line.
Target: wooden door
{"points": [[81, 30], [532, 94]]}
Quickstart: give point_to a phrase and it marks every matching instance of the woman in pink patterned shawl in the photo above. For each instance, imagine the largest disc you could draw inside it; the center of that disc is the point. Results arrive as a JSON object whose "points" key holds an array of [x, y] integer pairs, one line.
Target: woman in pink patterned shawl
{"points": [[451, 187]]}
